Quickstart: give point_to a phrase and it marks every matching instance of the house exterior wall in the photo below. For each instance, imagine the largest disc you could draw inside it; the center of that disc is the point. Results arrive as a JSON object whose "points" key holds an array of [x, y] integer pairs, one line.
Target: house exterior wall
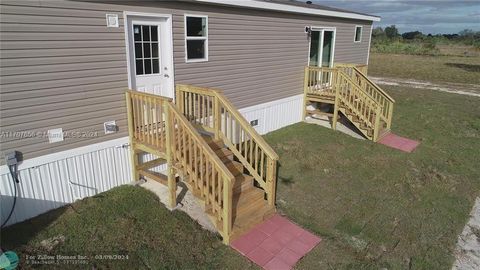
{"points": [[62, 67]]}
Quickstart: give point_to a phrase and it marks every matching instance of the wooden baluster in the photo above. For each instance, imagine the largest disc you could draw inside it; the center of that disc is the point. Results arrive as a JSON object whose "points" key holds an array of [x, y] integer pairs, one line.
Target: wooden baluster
{"points": [[226, 114], [217, 121], [240, 140], [251, 151], [262, 165], [377, 124], [271, 183], [230, 132], [227, 210], [256, 157], [131, 133], [336, 104], [195, 160], [202, 173], [184, 147], [209, 174], [172, 186], [389, 117]]}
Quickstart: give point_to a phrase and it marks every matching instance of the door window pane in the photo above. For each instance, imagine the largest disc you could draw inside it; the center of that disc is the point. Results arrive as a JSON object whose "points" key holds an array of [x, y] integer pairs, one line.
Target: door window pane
{"points": [[146, 33], [138, 50], [155, 65], [154, 49], [148, 66], [137, 33], [154, 33], [139, 66], [146, 49]]}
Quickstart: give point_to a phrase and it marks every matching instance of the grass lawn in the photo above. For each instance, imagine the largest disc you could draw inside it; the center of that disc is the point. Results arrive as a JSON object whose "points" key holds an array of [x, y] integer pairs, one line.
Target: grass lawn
{"points": [[454, 69], [125, 220], [378, 207]]}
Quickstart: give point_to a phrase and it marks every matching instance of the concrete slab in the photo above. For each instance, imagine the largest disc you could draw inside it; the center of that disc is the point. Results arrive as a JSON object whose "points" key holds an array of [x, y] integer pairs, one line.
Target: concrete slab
{"points": [[186, 202], [342, 126]]}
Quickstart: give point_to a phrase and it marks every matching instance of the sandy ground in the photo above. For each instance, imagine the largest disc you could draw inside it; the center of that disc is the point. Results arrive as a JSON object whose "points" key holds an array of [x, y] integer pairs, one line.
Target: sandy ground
{"points": [[185, 199], [467, 252], [342, 125], [456, 88]]}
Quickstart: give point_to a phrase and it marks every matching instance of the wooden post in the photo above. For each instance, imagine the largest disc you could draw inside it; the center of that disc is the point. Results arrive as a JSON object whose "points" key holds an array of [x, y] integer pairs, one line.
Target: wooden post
{"points": [[305, 87], [227, 209], [172, 185], [131, 133], [217, 114], [271, 181], [390, 115], [337, 99], [377, 123]]}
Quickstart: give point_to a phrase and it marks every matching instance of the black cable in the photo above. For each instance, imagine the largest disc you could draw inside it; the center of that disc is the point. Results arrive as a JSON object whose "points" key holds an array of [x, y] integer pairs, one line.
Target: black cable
{"points": [[15, 181]]}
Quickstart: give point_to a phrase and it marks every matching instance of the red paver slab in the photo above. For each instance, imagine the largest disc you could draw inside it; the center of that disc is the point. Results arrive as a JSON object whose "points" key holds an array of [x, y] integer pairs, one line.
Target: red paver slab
{"points": [[249, 241], [400, 143], [277, 243], [260, 256], [277, 264]]}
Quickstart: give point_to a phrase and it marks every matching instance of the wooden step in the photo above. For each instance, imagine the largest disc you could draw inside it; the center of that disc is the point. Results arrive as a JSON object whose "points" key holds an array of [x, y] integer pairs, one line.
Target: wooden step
{"points": [[245, 223], [214, 144], [318, 112], [247, 201], [242, 183], [224, 154], [236, 168]]}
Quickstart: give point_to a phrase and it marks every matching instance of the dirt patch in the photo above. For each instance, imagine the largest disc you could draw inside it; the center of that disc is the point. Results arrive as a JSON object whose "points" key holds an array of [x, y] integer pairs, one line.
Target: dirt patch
{"points": [[456, 88]]}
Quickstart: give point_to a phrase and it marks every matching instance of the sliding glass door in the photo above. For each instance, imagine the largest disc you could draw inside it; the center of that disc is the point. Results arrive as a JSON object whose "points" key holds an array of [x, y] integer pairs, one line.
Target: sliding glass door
{"points": [[322, 45]]}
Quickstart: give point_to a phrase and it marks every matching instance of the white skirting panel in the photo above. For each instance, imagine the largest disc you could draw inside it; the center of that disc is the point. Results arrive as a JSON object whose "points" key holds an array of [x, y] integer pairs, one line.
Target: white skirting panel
{"points": [[275, 114], [51, 181]]}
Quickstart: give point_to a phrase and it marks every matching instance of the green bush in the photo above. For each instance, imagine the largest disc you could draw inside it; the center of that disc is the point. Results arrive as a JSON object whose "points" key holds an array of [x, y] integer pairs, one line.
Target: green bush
{"points": [[402, 47]]}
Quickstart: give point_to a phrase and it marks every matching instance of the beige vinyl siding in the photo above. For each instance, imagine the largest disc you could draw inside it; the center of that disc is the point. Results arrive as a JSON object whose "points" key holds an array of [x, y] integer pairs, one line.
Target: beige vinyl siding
{"points": [[62, 67]]}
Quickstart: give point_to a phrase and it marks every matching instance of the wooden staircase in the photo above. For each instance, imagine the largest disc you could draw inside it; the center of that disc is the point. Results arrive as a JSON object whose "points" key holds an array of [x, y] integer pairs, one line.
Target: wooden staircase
{"points": [[206, 142], [351, 93]]}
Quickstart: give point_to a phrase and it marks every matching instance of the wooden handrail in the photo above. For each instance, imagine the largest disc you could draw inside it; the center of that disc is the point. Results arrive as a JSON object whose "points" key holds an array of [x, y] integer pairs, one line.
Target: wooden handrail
{"points": [[212, 111], [206, 171], [385, 100], [385, 94], [252, 132], [197, 137], [364, 106], [157, 126]]}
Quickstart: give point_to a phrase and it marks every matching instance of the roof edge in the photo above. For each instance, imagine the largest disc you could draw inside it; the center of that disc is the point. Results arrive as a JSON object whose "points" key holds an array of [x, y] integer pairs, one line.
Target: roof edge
{"points": [[292, 9]]}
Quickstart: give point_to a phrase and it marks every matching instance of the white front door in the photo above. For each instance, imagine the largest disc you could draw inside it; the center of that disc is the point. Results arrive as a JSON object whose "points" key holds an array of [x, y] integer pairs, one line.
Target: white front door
{"points": [[150, 54]]}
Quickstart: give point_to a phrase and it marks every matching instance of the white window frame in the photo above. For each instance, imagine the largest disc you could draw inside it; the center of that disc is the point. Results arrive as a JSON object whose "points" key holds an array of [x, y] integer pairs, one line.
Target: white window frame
{"points": [[355, 34], [205, 59]]}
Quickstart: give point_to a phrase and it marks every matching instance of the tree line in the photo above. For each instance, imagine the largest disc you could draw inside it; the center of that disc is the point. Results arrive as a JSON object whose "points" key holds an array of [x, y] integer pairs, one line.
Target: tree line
{"points": [[466, 36]]}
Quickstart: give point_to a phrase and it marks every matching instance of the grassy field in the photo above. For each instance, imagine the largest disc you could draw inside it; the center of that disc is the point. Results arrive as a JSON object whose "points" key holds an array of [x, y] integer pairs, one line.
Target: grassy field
{"points": [[126, 220], [377, 207], [455, 69]]}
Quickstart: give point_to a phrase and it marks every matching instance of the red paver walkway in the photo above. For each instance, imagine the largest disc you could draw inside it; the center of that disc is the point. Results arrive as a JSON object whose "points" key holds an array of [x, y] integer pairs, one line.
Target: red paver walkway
{"points": [[400, 143], [276, 244]]}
